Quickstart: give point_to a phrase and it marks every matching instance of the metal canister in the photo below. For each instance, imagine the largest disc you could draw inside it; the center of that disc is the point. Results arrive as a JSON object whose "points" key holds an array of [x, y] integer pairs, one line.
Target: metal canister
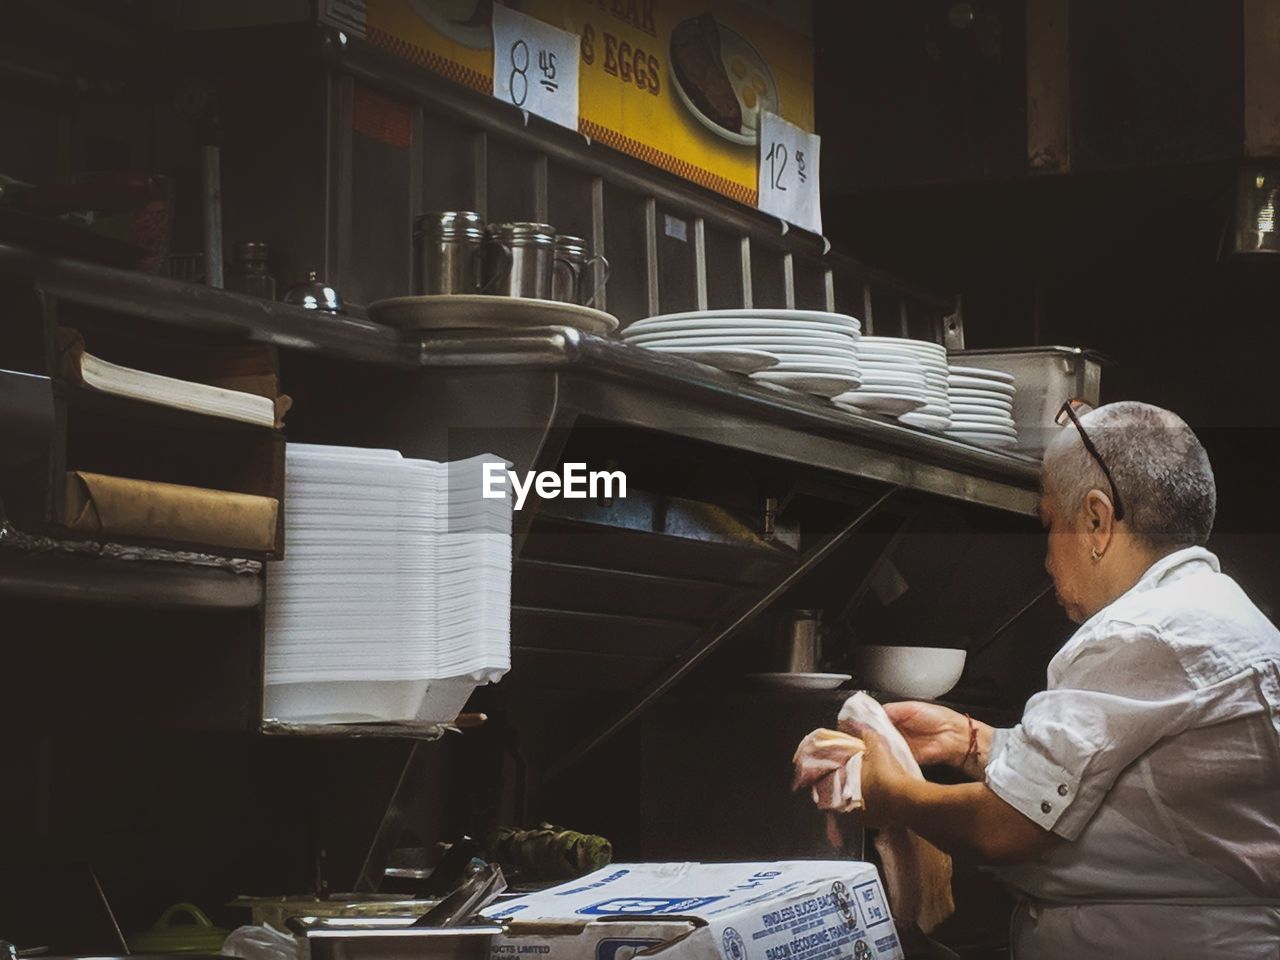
{"points": [[448, 252], [528, 266], [800, 642], [572, 282]]}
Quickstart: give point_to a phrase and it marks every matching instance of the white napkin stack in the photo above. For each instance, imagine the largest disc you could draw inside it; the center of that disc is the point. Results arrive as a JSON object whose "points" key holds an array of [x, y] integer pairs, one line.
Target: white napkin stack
{"points": [[397, 574]]}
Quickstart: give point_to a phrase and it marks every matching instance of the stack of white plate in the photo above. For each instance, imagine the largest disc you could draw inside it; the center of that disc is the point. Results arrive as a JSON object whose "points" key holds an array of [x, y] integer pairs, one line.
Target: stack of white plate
{"points": [[807, 350], [394, 598], [902, 378], [982, 407]]}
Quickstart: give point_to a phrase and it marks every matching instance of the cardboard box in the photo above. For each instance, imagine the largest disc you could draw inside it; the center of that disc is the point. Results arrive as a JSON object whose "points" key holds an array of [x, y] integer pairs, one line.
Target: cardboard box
{"points": [[790, 910]]}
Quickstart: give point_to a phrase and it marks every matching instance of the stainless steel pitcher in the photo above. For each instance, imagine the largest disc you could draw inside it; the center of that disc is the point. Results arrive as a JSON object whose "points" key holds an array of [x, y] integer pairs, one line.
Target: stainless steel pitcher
{"points": [[573, 278], [449, 249], [521, 259]]}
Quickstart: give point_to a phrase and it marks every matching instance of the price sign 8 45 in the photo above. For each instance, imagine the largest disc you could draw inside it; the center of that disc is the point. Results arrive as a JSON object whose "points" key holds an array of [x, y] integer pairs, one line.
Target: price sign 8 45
{"points": [[535, 66]]}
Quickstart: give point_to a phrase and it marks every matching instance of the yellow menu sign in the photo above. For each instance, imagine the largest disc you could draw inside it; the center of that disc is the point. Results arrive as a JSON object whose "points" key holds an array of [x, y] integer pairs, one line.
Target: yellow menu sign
{"points": [[681, 84]]}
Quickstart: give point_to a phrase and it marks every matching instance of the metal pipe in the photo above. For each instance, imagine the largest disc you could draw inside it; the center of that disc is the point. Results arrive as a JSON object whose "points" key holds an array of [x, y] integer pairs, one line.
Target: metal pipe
{"points": [[700, 262], [653, 282], [598, 239], [541, 189], [1040, 594], [682, 667], [211, 197], [408, 788]]}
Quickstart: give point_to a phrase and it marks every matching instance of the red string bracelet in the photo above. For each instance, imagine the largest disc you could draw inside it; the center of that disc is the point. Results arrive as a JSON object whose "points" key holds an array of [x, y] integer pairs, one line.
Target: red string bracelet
{"points": [[972, 752]]}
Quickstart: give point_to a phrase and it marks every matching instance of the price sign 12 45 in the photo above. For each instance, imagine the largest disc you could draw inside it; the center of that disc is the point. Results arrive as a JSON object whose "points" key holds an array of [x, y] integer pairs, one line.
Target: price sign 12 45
{"points": [[788, 180]]}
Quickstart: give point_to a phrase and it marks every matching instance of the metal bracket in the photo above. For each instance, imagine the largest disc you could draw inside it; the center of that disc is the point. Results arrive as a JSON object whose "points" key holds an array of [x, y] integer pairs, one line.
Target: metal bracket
{"points": [[953, 327], [407, 796], [1037, 595], [730, 626]]}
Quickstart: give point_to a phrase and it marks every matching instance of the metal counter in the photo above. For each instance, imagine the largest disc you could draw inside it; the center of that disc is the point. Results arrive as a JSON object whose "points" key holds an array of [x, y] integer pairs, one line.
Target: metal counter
{"points": [[625, 384]]}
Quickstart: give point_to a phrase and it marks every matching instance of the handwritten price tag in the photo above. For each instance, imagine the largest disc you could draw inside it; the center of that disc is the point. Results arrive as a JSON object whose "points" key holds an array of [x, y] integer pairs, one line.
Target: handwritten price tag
{"points": [[535, 66], [789, 173]]}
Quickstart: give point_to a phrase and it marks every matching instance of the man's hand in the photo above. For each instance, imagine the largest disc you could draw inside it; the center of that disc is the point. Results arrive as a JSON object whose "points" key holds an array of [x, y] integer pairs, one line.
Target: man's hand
{"points": [[885, 783], [934, 733]]}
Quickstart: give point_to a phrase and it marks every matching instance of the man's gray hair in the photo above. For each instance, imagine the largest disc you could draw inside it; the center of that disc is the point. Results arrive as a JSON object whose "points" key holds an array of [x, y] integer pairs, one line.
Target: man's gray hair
{"points": [[1159, 467]]}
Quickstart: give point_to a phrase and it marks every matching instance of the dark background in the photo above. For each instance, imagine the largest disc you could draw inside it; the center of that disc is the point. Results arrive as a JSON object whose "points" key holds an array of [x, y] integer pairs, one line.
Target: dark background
{"points": [[925, 172], [923, 111]]}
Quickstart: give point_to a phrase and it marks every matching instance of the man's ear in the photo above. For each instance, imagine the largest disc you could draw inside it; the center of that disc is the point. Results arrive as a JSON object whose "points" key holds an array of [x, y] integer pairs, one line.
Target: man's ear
{"points": [[1100, 514]]}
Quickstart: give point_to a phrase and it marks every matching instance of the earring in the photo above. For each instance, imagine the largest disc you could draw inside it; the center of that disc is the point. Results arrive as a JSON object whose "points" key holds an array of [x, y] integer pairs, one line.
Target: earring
{"points": [[1095, 554]]}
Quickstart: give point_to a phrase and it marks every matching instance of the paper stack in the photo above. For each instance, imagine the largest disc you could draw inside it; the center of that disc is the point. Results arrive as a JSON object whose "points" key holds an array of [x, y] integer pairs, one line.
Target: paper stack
{"points": [[394, 598]]}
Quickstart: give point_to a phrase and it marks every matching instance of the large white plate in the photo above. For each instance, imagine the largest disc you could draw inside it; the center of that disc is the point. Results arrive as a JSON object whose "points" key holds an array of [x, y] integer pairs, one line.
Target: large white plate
{"points": [[891, 403], [983, 373], [925, 421], [706, 325], [984, 397], [801, 681], [832, 347], [996, 419], [819, 384], [900, 363], [820, 366], [906, 378], [733, 45], [960, 409], [975, 383], [961, 429], [936, 410], [983, 439], [739, 360], [816, 356], [921, 346], [904, 358], [758, 313], [473, 310], [916, 393], [902, 354], [743, 329]]}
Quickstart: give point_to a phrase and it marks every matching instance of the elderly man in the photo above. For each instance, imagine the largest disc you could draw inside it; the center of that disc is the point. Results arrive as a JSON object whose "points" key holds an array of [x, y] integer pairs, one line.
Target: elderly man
{"points": [[1134, 809]]}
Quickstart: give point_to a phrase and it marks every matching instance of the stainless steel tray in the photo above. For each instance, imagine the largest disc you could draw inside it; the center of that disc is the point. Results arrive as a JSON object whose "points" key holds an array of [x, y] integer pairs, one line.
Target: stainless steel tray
{"points": [[1043, 377], [392, 938], [480, 311]]}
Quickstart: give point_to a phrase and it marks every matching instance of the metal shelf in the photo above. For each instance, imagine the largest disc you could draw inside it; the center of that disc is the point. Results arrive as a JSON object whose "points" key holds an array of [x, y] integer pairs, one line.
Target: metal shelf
{"points": [[207, 310], [354, 731], [123, 577], [484, 372]]}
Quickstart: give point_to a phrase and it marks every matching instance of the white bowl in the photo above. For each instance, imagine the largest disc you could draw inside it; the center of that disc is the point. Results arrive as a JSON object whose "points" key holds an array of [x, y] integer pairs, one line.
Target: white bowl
{"points": [[920, 673]]}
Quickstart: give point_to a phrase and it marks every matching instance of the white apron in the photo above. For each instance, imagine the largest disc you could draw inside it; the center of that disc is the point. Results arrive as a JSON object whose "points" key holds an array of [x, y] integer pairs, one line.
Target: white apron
{"points": [[1147, 899]]}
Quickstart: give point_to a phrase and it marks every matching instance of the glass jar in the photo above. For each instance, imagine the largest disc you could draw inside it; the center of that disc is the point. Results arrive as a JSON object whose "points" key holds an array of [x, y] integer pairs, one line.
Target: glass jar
{"points": [[248, 273]]}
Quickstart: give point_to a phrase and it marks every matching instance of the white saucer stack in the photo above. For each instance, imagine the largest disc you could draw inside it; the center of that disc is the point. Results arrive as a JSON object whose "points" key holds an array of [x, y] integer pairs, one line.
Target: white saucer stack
{"points": [[982, 407], [394, 598], [807, 350], [902, 378]]}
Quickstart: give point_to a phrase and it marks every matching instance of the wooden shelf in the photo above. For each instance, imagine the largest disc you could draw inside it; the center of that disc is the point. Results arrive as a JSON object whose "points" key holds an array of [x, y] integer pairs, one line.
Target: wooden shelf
{"points": [[146, 414]]}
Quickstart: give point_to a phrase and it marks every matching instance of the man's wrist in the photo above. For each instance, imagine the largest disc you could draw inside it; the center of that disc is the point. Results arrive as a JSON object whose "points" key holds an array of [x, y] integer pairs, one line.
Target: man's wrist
{"points": [[959, 738], [978, 751]]}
